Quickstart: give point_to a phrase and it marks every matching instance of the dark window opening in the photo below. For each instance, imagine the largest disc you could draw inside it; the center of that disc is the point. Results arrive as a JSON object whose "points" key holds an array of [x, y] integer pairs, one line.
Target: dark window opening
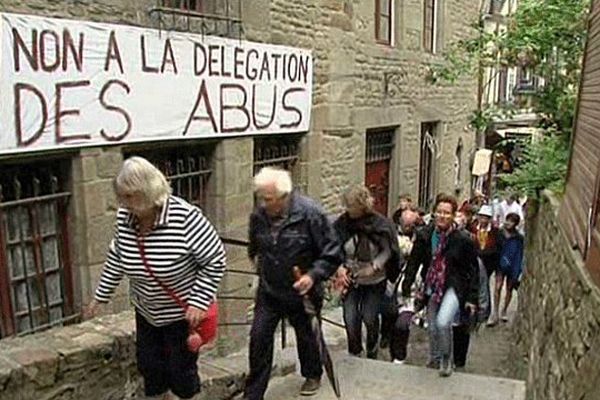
{"points": [[383, 21], [36, 282], [188, 170], [427, 164], [378, 157]]}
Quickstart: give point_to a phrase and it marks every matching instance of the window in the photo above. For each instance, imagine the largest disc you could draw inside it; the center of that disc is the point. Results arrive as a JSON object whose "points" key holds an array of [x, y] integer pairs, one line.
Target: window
{"points": [[191, 5], [188, 170], [282, 152], [36, 285], [383, 21], [427, 164], [430, 25], [378, 157], [502, 85]]}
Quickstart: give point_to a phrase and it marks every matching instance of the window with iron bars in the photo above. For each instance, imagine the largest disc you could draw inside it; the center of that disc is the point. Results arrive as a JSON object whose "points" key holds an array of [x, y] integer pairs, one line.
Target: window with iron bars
{"points": [[279, 151], [188, 170], [210, 17], [36, 283]]}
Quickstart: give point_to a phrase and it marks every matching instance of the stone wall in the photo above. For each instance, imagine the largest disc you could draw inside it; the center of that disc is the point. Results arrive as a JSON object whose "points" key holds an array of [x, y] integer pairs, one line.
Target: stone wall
{"points": [[93, 360], [558, 331], [358, 85]]}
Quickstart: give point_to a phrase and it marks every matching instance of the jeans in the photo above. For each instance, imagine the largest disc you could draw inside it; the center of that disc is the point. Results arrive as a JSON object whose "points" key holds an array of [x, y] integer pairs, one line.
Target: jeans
{"points": [[268, 311], [362, 304], [440, 318]]}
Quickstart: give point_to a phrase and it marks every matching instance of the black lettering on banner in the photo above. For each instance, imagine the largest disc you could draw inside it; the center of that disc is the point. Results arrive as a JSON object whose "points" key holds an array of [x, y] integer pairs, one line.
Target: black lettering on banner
{"points": [[119, 110], [43, 43], [113, 53], [272, 117], [239, 107], [19, 46], [211, 60], [303, 68], [168, 57], [223, 71], [251, 73], [60, 113], [145, 67], [237, 62], [276, 57], [202, 96], [291, 108], [199, 71], [76, 53], [292, 67], [265, 68], [18, 89]]}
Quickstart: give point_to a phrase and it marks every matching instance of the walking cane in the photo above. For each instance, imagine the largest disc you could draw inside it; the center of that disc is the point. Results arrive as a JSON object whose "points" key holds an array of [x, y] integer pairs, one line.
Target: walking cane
{"points": [[315, 323]]}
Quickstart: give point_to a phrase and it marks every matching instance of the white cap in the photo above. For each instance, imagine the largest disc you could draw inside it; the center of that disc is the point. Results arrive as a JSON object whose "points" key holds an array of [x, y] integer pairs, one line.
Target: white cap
{"points": [[486, 210]]}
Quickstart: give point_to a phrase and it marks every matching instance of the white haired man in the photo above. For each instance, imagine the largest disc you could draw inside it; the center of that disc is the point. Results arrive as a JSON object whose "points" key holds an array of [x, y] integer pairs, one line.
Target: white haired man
{"points": [[287, 230], [182, 249]]}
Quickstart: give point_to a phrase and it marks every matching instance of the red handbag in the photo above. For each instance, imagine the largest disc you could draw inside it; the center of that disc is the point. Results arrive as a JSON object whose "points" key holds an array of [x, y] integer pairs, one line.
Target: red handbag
{"points": [[206, 331]]}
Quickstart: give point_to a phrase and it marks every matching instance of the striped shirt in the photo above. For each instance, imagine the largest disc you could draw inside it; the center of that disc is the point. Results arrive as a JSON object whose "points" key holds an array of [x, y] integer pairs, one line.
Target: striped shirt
{"points": [[184, 252]]}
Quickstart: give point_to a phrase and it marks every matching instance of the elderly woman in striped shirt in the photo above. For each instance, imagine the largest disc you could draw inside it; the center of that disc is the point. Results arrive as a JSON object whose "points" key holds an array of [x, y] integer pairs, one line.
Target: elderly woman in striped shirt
{"points": [[164, 234]]}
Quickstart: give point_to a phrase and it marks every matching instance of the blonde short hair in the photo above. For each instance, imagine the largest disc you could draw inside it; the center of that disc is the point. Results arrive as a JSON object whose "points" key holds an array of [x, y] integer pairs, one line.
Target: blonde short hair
{"points": [[270, 176], [359, 195], [139, 175]]}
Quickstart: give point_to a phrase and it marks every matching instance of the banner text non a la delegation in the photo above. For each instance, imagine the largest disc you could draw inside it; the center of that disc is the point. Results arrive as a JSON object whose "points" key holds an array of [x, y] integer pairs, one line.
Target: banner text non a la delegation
{"points": [[78, 83]]}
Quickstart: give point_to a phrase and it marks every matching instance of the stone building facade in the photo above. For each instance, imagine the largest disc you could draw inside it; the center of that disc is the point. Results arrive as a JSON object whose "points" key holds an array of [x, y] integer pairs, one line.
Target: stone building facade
{"points": [[375, 119]]}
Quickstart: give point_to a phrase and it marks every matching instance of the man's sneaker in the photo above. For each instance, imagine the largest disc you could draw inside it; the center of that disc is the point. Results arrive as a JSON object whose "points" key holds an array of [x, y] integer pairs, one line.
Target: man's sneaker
{"points": [[310, 387], [433, 364], [446, 368], [400, 362]]}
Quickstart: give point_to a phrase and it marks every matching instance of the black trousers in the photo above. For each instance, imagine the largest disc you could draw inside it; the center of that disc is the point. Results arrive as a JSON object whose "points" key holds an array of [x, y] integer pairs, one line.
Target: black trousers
{"points": [[399, 335], [461, 338], [268, 311], [164, 360]]}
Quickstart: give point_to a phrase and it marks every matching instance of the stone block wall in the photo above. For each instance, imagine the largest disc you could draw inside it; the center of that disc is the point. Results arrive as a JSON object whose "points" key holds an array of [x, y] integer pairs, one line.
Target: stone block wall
{"points": [[558, 330], [358, 85]]}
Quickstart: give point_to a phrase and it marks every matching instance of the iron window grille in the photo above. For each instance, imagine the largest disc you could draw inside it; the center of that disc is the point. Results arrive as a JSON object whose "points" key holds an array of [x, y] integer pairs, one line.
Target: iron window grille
{"points": [[208, 17], [280, 151], [36, 282], [187, 170], [380, 146]]}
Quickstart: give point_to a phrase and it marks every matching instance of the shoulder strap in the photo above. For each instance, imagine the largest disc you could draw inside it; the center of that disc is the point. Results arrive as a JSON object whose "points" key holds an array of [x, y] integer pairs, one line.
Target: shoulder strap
{"points": [[168, 290]]}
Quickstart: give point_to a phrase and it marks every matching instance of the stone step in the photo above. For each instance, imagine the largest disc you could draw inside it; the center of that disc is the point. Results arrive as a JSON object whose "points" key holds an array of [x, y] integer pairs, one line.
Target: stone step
{"points": [[362, 379]]}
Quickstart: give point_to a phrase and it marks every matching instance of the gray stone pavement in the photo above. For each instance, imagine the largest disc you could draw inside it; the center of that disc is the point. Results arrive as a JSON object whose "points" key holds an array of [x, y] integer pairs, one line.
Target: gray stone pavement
{"points": [[488, 367]]}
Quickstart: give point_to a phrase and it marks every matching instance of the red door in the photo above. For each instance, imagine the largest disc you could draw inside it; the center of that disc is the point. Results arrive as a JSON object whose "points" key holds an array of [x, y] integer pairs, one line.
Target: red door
{"points": [[380, 144], [377, 180]]}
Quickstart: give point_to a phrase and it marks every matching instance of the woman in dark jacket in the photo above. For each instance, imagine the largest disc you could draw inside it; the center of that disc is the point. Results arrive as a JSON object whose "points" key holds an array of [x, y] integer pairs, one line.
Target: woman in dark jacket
{"points": [[371, 266], [451, 275]]}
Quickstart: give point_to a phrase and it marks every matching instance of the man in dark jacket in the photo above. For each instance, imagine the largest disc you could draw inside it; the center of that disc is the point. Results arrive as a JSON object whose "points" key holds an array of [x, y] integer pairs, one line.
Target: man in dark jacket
{"points": [[287, 230]]}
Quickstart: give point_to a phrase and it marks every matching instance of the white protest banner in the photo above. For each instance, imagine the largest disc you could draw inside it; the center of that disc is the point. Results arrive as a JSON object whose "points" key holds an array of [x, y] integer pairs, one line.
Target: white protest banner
{"points": [[70, 83]]}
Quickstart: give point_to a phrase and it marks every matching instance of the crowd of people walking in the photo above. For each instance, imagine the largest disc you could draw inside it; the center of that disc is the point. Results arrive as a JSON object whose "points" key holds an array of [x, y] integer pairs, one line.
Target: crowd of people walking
{"points": [[389, 272]]}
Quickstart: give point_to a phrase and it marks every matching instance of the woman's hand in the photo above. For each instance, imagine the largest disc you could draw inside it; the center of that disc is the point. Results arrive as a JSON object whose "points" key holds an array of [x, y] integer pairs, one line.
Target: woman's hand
{"points": [[194, 316]]}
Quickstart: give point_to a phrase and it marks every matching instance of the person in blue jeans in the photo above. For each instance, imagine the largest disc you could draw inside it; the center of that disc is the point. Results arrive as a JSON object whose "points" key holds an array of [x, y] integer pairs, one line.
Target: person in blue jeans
{"points": [[451, 275], [511, 265]]}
